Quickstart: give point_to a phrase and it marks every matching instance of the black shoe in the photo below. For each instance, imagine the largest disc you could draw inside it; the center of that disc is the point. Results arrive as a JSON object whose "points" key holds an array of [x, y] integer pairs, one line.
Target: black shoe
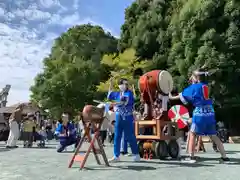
{"points": [[11, 147], [124, 153], [225, 160]]}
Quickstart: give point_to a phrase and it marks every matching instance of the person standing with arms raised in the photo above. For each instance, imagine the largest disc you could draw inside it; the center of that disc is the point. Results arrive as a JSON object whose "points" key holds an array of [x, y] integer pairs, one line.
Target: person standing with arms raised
{"points": [[124, 102]]}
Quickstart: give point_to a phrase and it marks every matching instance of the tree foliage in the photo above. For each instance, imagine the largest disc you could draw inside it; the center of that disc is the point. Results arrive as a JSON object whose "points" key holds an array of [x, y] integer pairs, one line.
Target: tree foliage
{"points": [[181, 36], [72, 70], [123, 65], [177, 35]]}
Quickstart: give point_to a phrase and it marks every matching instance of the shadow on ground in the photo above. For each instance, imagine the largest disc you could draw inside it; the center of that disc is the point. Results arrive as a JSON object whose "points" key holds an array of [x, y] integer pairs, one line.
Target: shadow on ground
{"points": [[122, 167], [4, 149], [174, 163], [233, 161], [47, 147], [66, 152], [148, 166], [232, 152]]}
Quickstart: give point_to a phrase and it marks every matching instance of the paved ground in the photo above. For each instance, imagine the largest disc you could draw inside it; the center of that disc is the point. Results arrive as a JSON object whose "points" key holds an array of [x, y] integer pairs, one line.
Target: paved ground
{"points": [[46, 164]]}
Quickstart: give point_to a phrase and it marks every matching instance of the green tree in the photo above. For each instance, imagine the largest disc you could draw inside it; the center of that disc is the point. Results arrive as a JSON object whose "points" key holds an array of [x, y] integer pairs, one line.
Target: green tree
{"points": [[123, 65], [208, 33], [145, 29], [181, 36], [73, 69]]}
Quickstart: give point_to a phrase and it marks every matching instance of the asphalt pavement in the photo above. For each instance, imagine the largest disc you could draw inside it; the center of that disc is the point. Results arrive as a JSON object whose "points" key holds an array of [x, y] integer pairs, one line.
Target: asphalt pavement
{"points": [[46, 164]]}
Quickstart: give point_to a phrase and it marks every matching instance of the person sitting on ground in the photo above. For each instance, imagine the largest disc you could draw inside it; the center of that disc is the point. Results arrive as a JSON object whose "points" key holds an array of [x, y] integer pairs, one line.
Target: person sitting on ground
{"points": [[67, 134]]}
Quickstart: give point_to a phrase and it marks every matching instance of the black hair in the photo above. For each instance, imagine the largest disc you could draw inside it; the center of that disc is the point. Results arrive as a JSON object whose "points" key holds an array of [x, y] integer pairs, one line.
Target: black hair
{"points": [[202, 77], [175, 91], [60, 121], [138, 72], [121, 81]]}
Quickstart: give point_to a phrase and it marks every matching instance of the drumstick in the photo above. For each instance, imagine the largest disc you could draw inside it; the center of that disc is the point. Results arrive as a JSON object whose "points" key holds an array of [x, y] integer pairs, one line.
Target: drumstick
{"points": [[134, 92], [100, 102]]}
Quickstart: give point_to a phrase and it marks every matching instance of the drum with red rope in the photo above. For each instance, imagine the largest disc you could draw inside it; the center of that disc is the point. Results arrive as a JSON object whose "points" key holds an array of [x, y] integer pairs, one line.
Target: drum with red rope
{"points": [[179, 114]]}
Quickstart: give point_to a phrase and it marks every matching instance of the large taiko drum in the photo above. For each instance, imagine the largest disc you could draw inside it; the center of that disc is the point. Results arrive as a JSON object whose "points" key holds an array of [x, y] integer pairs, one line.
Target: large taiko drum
{"points": [[156, 80], [93, 114]]}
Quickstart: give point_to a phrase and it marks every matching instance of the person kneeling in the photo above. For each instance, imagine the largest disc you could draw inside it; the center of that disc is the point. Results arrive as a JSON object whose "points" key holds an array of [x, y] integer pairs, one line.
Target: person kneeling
{"points": [[67, 134]]}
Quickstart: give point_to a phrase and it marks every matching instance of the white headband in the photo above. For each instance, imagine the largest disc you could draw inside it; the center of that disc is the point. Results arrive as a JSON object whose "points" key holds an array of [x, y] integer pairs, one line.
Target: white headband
{"points": [[201, 73], [64, 115]]}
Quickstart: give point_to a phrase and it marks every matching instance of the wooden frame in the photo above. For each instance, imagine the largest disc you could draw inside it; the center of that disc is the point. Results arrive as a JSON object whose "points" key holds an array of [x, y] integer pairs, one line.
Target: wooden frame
{"points": [[157, 129], [96, 151]]}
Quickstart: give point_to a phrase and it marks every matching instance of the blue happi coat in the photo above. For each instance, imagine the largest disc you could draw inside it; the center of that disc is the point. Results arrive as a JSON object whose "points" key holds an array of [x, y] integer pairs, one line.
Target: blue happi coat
{"points": [[124, 120], [203, 120]]}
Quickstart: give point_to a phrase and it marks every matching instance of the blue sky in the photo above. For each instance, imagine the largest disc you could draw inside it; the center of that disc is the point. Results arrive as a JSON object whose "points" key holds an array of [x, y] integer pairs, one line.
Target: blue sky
{"points": [[28, 28]]}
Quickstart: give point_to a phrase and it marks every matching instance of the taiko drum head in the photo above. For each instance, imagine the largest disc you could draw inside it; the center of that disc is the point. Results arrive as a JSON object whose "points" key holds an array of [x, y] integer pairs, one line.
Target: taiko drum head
{"points": [[165, 82]]}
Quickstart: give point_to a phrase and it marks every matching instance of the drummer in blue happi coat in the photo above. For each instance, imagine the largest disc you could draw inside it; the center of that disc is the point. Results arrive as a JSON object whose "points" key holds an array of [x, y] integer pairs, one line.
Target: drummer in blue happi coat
{"points": [[124, 99], [203, 119], [66, 133]]}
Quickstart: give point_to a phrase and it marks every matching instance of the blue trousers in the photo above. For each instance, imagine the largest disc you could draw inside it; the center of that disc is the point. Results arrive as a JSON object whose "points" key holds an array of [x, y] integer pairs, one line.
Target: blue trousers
{"points": [[124, 144], [68, 142], [124, 125]]}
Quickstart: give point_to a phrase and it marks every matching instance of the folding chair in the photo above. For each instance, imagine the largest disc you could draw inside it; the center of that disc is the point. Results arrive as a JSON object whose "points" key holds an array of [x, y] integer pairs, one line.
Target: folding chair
{"points": [[82, 158]]}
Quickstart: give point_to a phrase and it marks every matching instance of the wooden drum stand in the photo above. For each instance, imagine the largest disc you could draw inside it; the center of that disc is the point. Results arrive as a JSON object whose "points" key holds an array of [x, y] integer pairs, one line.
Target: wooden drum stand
{"points": [[93, 122]]}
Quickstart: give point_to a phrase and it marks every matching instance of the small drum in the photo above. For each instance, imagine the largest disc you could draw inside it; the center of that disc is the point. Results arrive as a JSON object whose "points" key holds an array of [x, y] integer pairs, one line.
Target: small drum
{"points": [[156, 80], [93, 114], [180, 115]]}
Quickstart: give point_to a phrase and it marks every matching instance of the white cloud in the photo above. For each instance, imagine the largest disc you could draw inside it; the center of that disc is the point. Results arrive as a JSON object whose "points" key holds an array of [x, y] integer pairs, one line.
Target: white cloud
{"points": [[27, 31], [49, 3], [69, 20]]}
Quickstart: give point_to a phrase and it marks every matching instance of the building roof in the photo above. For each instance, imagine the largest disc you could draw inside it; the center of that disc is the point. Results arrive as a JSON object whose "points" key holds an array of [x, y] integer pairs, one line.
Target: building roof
{"points": [[29, 108]]}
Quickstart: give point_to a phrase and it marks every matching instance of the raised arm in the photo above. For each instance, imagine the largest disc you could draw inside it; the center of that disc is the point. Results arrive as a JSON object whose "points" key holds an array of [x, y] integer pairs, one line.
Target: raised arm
{"points": [[112, 95]]}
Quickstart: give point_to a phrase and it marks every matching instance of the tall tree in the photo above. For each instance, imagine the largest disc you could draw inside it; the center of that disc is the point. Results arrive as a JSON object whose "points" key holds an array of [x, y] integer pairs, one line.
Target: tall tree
{"points": [[123, 65], [182, 35], [208, 33], [72, 70], [145, 29]]}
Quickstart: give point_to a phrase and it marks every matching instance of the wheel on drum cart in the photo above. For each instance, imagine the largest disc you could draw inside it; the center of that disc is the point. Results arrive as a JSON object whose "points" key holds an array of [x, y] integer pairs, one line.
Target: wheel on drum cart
{"points": [[173, 149], [154, 148], [161, 150], [140, 148]]}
